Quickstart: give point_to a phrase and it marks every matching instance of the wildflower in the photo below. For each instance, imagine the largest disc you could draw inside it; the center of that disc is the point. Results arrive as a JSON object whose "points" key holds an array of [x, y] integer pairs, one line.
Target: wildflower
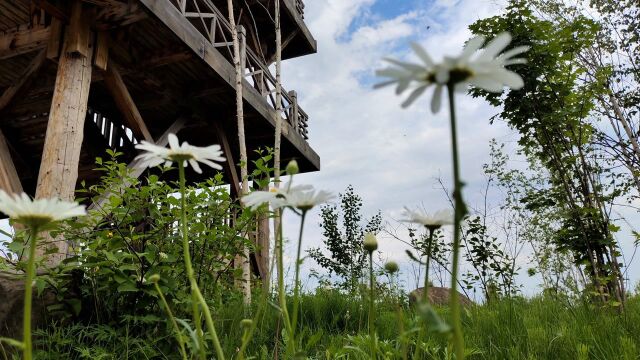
{"points": [[370, 242], [163, 256], [432, 222], [155, 155], [305, 200], [37, 214], [483, 68], [391, 267], [302, 197]]}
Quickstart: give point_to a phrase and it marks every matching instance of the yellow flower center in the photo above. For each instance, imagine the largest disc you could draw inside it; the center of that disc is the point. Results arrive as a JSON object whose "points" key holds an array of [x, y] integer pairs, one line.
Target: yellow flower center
{"points": [[177, 156], [34, 220]]}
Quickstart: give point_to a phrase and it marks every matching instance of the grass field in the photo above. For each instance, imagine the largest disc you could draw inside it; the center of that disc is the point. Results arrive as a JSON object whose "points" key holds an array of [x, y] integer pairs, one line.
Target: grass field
{"points": [[334, 326]]}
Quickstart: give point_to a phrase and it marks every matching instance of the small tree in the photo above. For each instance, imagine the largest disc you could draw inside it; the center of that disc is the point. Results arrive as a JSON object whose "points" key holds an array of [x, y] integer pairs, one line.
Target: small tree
{"points": [[343, 239]]}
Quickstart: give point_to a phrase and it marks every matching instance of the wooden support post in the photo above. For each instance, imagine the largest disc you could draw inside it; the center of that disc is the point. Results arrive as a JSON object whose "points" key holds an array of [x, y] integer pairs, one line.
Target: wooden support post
{"points": [[125, 103], [9, 180], [263, 246], [63, 140], [55, 39], [293, 112], [230, 168], [242, 38], [102, 51]]}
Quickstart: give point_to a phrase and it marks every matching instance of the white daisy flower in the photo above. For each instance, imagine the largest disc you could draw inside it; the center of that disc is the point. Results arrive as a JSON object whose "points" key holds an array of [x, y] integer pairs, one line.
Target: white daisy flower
{"points": [[483, 68], [302, 197], [432, 221], [38, 213], [155, 155], [306, 200]]}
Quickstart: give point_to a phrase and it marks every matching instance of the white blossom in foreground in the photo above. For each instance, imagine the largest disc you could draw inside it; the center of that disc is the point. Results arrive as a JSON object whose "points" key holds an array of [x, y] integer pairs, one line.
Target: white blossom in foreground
{"points": [[483, 68], [306, 200], [38, 213], [302, 197], [432, 221], [155, 155]]}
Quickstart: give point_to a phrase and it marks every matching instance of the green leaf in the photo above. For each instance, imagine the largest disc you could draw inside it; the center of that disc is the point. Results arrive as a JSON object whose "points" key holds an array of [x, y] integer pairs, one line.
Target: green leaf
{"points": [[127, 287]]}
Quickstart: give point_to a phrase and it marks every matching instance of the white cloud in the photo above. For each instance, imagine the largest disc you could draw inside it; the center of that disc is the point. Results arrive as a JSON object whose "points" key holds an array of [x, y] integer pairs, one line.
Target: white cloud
{"points": [[364, 138]]}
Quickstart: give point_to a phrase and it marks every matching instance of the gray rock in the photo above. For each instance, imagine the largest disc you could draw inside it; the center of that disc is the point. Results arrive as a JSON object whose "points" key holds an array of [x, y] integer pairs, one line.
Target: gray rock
{"points": [[437, 296]]}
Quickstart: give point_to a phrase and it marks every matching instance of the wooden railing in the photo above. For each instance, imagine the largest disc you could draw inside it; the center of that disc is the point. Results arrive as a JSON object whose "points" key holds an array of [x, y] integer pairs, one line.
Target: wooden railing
{"points": [[117, 136], [300, 7], [214, 25]]}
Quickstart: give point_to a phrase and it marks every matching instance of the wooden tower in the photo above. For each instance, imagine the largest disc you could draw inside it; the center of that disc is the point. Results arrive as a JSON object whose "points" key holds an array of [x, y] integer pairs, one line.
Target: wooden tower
{"points": [[80, 76]]}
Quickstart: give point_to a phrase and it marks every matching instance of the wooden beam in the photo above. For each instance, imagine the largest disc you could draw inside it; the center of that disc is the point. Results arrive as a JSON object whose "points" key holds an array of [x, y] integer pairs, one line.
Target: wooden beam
{"points": [[230, 167], [77, 37], [285, 43], [116, 14], [101, 56], [299, 23], [135, 169], [63, 139], [25, 78], [9, 179], [52, 9], [23, 40], [165, 59], [262, 244], [125, 103], [55, 40]]}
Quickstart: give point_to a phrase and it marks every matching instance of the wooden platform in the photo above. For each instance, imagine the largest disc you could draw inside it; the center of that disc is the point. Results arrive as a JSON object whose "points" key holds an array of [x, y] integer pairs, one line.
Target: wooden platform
{"points": [[157, 65]]}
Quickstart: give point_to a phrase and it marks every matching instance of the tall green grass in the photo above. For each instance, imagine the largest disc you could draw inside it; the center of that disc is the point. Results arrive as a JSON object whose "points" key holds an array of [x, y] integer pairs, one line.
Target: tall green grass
{"points": [[332, 324]]}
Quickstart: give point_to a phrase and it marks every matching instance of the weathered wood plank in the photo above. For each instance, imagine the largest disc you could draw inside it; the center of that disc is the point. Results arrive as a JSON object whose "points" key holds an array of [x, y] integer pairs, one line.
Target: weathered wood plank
{"points": [[125, 103], [55, 40], [78, 31], [9, 179], [27, 76], [101, 57], [63, 139], [23, 40]]}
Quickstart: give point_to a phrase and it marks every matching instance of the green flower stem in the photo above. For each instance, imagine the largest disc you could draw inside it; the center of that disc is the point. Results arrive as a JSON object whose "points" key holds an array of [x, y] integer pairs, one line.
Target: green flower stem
{"points": [[425, 293], [282, 300], [196, 296], [372, 329], [296, 289], [183, 351], [459, 212], [28, 293]]}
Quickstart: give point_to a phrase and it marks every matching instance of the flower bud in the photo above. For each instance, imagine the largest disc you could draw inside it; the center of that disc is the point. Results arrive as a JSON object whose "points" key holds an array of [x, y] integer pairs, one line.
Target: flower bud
{"points": [[292, 167], [370, 242], [391, 267], [246, 323], [154, 278]]}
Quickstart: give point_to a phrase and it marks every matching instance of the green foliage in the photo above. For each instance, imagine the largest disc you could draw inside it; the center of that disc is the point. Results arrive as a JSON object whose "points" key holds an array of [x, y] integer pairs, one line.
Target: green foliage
{"points": [[134, 235], [494, 268], [343, 239], [551, 113]]}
